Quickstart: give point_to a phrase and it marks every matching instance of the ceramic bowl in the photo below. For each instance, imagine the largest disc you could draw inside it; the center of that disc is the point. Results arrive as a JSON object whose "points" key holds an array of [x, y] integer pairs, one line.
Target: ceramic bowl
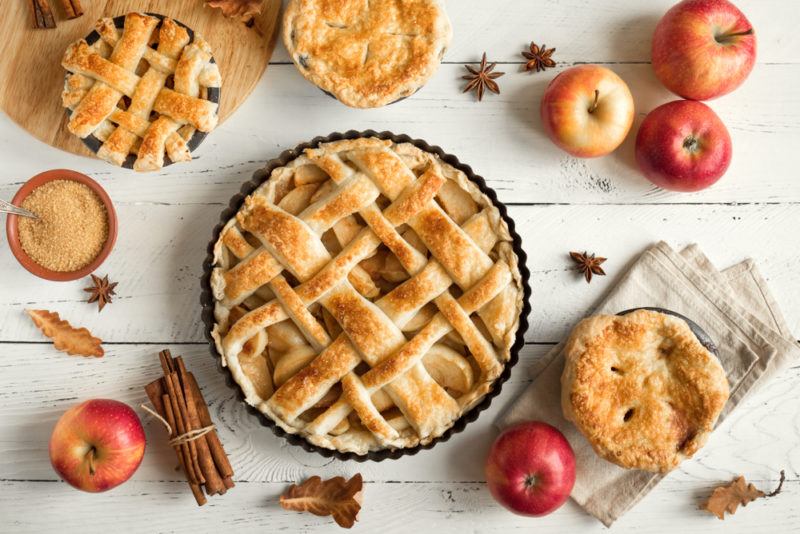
{"points": [[12, 225]]}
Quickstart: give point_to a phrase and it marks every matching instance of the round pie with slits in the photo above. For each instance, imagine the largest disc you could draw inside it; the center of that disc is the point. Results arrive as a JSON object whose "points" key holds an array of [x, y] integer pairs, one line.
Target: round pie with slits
{"points": [[641, 388], [367, 53], [366, 295]]}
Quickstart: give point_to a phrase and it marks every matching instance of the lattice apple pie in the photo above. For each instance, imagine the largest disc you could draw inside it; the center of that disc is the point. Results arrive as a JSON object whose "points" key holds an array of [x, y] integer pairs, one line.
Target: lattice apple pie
{"points": [[142, 90], [366, 296]]}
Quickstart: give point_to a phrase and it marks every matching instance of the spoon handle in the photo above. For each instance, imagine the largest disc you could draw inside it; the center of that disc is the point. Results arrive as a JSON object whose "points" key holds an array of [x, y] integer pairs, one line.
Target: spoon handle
{"points": [[7, 207]]}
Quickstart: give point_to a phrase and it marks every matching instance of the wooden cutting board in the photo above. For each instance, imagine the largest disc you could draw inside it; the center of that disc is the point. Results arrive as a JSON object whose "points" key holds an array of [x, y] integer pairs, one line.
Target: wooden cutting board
{"points": [[32, 76]]}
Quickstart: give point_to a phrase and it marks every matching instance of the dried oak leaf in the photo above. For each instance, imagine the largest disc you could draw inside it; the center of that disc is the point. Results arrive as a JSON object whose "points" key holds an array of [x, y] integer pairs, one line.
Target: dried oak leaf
{"points": [[727, 498], [73, 341], [244, 10], [337, 497]]}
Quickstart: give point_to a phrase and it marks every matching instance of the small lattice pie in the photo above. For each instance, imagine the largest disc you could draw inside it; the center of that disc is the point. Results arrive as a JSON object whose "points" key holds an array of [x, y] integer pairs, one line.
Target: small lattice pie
{"points": [[367, 295], [367, 53], [641, 388], [141, 90]]}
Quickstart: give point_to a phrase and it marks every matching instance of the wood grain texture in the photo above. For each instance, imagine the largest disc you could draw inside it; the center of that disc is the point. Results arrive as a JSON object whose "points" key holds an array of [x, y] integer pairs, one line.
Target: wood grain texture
{"points": [[593, 31], [425, 507], [522, 165], [440, 490], [161, 247], [562, 203], [31, 64]]}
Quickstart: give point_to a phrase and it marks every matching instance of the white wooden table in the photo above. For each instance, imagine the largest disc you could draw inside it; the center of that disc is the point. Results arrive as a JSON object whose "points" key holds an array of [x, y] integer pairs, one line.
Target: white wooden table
{"points": [[559, 204]]}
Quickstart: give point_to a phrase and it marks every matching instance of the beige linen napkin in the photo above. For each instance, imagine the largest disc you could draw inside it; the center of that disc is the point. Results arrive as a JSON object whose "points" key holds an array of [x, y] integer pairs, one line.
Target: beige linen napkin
{"points": [[734, 307]]}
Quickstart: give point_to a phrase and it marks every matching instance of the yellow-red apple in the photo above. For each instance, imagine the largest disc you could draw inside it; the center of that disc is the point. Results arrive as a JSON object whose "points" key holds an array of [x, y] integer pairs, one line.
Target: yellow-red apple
{"points": [[531, 469], [683, 146], [97, 445], [587, 111], [703, 49]]}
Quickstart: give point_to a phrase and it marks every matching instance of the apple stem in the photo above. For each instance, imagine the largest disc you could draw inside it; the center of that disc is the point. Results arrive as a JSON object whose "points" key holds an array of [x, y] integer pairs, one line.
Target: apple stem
{"points": [[90, 459], [594, 104], [725, 37]]}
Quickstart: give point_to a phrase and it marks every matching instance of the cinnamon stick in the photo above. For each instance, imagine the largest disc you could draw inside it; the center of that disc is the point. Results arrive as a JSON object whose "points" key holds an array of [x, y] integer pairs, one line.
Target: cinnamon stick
{"points": [[189, 449], [178, 399], [72, 8], [184, 426], [42, 14], [156, 392], [220, 458], [196, 491], [213, 481]]}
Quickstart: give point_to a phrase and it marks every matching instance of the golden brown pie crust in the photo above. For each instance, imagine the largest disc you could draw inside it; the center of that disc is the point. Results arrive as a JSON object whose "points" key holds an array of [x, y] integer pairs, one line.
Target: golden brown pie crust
{"points": [[140, 99], [366, 53], [367, 295], [641, 388]]}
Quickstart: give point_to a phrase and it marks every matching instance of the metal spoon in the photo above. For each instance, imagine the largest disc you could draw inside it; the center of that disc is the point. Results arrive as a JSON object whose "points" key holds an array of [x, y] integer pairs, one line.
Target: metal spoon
{"points": [[7, 207]]}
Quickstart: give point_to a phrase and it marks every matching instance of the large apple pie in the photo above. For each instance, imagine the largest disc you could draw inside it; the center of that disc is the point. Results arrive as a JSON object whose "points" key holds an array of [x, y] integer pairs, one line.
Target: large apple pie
{"points": [[366, 296], [642, 388]]}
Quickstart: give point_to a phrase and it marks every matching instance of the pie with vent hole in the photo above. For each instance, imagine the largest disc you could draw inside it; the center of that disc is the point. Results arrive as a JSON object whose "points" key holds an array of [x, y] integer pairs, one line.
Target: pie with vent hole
{"points": [[142, 91], [641, 388], [367, 53], [366, 296]]}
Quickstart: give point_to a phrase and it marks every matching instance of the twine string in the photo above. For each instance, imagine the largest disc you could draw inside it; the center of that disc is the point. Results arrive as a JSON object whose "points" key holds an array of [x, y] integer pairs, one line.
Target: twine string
{"points": [[186, 437], [192, 435]]}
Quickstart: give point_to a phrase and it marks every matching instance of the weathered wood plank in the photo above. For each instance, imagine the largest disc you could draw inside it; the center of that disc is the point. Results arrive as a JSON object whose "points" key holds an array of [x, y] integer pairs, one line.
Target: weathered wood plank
{"points": [[462, 507], [160, 250], [611, 31], [166, 219], [520, 162], [761, 437]]}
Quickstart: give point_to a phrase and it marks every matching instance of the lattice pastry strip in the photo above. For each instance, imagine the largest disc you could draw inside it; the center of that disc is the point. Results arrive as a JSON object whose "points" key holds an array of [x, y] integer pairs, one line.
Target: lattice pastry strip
{"points": [[110, 69], [296, 245], [436, 227]]}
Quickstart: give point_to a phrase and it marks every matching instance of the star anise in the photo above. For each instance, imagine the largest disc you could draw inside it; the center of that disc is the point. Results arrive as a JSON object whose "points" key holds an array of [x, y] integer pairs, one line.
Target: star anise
{"points": [[101, 291], [482, 78], [588, 264], [539, 58]]}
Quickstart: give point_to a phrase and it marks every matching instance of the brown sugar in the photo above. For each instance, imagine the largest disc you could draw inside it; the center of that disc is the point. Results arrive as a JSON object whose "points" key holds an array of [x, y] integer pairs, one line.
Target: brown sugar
{"points": [[71, 229]]}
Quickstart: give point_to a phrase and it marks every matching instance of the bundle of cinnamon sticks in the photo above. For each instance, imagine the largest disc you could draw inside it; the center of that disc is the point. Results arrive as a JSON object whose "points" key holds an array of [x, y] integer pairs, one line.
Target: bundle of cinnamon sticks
{"points": [[177, 398], [43, 15]]}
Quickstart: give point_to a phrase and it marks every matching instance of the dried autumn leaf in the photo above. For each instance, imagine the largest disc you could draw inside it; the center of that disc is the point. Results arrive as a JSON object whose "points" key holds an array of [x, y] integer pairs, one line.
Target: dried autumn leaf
{"points": [[73, 341], [727, 498], [337, 497], [244, 10]]}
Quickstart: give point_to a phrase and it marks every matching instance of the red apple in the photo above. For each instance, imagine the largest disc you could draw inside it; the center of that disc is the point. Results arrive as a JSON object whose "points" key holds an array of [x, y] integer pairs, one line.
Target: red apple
{"points": [[683, 146], [703, 49], [587, 111], [97, 445], [531, 469]]}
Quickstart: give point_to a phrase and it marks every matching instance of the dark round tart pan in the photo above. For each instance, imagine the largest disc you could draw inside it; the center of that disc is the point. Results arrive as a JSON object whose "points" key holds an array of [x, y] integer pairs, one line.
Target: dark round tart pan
{"points": [[698, 332], [94, 144], [207, 300]]}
